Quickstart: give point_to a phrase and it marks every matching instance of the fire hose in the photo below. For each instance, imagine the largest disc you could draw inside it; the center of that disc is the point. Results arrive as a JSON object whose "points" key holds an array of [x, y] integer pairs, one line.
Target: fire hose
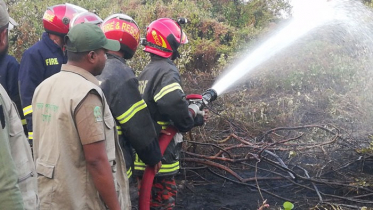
{"points": [[165, 138], [149, 173]]}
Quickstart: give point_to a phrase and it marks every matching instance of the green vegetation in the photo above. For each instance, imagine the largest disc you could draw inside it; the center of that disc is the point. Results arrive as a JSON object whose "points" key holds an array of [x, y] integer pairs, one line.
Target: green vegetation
{"points": [[216, 29], [288, 205]]}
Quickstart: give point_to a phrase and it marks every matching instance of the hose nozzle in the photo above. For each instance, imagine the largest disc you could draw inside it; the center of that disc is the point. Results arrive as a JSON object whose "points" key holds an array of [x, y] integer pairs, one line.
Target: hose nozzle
{"points": [[209, 96]]}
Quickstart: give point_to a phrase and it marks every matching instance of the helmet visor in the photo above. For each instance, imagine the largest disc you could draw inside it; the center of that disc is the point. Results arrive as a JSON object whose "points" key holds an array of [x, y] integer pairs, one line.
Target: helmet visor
{"points": [[86, 17], [184, 38], [72, 10]]}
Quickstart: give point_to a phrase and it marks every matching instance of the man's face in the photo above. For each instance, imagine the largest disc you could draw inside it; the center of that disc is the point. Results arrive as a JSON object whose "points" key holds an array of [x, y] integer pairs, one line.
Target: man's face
{"points": [[4, 43], [101, 60]]}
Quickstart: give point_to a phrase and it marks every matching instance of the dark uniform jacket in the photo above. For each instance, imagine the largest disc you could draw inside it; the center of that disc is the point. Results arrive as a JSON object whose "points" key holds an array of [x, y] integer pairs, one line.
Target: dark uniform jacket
{"points": [[135, 126], [160, 86], [9, 68], [39, 62]]}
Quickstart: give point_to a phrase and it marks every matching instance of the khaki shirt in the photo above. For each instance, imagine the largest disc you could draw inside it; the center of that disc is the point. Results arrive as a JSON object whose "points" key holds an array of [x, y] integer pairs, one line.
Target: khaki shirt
{"points": [[59, 105], [10, 195], [20, 153]]}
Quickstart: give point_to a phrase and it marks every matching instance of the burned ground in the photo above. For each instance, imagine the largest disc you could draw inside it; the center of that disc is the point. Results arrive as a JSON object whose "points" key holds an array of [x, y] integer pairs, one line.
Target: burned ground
{"points": [[274, 142], [327, 174]]}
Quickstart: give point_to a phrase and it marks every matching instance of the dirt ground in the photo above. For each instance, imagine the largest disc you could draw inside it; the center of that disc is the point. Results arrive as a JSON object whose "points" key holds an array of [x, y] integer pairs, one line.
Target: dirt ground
{"points": [[212, 195], [216, 195]]}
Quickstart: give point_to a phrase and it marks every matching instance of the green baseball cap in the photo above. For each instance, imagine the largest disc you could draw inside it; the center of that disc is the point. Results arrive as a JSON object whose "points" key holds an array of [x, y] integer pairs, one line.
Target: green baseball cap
{"points": [[87, 37]]}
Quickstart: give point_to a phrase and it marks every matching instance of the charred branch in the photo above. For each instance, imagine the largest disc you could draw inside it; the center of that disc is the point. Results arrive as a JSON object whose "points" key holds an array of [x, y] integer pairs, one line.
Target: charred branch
{"points": [[304, 159]]}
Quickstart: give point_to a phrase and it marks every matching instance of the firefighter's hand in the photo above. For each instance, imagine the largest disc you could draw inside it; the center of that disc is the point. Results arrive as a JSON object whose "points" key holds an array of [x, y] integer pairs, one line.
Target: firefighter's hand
{"points": [[206, 115], [194, 110], [199, 120], [201, 117], [157, 166]]}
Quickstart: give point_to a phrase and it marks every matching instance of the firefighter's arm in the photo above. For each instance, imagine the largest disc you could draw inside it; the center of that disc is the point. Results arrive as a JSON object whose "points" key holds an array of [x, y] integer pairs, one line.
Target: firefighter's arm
{"points": [[170, 99], [100, 170], [135, 121], [12, 80], [31, 73]]}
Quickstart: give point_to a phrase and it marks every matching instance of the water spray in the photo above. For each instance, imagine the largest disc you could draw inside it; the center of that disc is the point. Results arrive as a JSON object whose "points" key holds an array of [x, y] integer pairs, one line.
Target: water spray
{"points": [[307, 16]]}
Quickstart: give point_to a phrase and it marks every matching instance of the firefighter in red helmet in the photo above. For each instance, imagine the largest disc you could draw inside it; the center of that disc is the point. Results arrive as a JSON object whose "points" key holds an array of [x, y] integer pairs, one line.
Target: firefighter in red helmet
{"points": [[120, 86], [160, 87], [45, 58], [164, 36], [86, 17]]}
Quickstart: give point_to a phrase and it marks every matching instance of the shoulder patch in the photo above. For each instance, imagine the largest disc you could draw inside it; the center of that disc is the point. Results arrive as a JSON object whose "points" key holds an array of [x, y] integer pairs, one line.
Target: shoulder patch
{"points": [[98, 113]]}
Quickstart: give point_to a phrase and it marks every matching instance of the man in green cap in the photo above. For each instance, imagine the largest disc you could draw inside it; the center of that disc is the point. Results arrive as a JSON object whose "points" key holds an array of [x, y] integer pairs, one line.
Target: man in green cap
{"points": [[76, 150]]}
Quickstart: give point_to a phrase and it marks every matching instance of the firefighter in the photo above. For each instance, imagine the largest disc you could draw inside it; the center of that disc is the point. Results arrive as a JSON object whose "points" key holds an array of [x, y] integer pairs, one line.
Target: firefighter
{"points": [[86, 17], [44, 58], [18, 184], [78, 158], [160, 87], [119, 83]]}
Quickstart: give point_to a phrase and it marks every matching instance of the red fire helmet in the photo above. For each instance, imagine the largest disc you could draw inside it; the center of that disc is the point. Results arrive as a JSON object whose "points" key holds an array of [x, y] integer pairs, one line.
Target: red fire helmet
{"points": [[56, 19], [163, 37], [123, 28], [85, 17]]}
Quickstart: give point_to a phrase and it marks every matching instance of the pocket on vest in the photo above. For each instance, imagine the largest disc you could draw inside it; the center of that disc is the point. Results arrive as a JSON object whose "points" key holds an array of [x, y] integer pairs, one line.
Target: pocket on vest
{"points": [[45, 169], [110, 133]]}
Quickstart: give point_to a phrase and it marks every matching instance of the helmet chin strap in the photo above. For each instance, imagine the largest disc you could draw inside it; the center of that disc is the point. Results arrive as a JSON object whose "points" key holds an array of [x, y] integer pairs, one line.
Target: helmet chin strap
{"points": [[175, 54], [146, 43], [179, 22]]}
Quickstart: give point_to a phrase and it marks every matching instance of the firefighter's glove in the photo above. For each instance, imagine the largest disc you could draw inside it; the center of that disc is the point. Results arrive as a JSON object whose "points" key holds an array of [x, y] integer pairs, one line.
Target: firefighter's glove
{"points": [[198, 120], [197, 114]]}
